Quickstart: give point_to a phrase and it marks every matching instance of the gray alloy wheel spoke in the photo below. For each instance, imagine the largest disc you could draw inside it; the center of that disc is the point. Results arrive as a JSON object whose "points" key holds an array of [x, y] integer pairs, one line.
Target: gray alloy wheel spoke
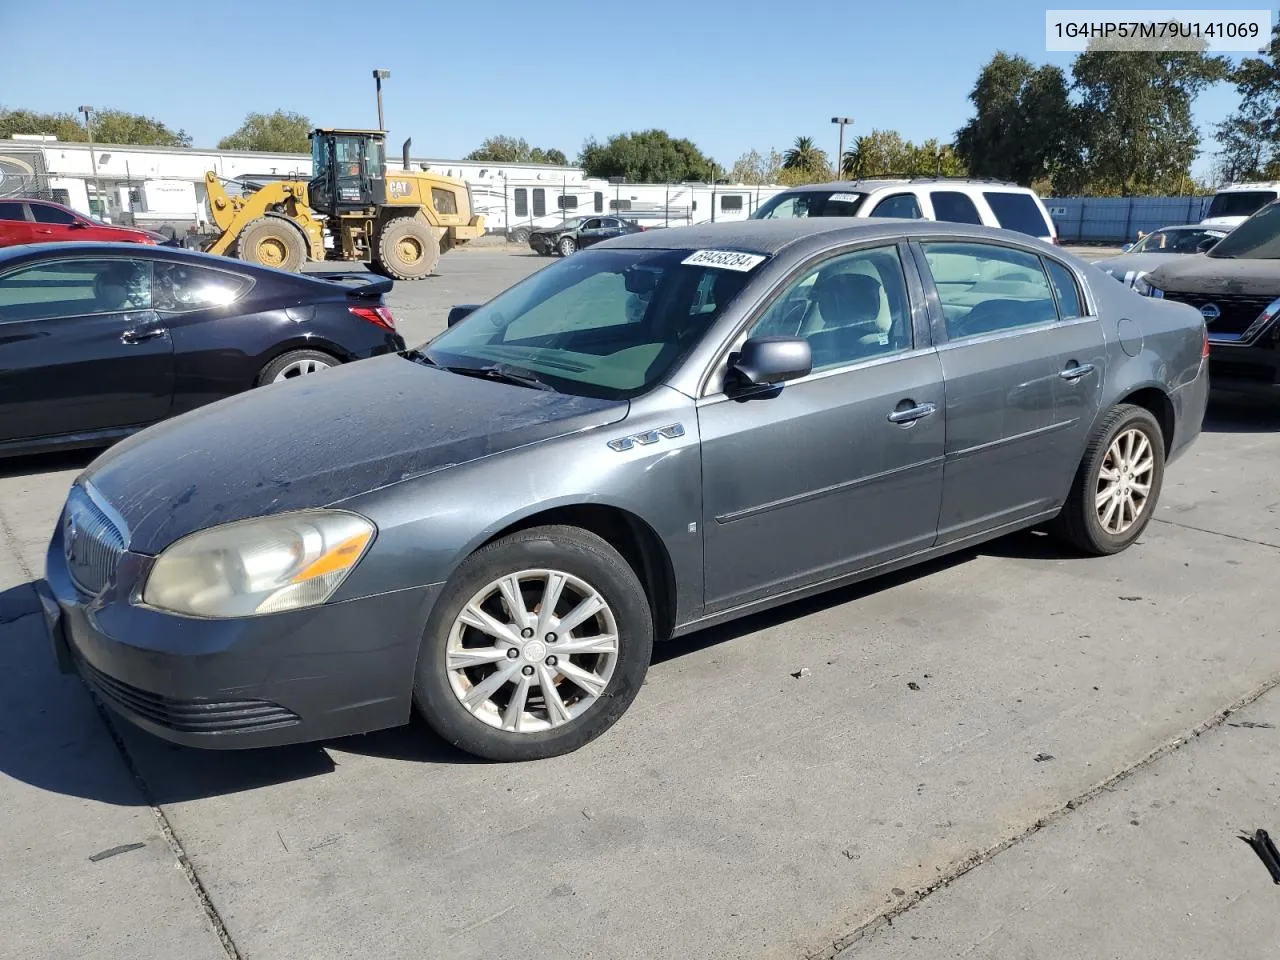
{"points": [[300, 368], [537, 671]]}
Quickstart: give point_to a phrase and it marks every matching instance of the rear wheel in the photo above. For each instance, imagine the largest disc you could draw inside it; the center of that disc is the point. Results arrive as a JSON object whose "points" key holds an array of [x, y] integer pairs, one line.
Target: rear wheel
{"points": [[406, 249], [567, 246], [272, 242], [537, 645], [1118, 484], [296, 363], [520, 235]]}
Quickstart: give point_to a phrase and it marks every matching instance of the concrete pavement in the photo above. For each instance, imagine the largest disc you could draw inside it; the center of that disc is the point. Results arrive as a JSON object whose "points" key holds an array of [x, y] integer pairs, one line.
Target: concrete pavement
{"points": [[736, 811]]}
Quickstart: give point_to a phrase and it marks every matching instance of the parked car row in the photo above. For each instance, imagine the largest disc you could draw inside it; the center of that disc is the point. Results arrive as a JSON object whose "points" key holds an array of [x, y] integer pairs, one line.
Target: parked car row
{"points": [[667, 430]]}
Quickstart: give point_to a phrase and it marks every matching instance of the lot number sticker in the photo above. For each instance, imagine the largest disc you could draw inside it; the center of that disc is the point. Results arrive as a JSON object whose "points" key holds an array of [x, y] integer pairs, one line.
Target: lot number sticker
{"points": [[844, 198], [724, 260]]}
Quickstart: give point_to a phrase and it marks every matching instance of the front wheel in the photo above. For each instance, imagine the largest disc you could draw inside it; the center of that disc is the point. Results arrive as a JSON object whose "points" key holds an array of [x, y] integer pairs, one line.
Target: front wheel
{"points": [[537, 646], [1117, 485]]}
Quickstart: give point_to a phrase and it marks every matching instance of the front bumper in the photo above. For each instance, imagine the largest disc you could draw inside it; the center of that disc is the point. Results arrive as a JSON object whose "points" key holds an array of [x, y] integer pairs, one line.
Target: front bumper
{"points": [[1250, 371], [331, 671], [540, 244]]}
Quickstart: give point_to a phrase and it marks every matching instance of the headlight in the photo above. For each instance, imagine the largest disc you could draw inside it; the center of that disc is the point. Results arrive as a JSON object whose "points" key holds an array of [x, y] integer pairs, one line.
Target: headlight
{"points": [[1140, 285], [252, 567]]}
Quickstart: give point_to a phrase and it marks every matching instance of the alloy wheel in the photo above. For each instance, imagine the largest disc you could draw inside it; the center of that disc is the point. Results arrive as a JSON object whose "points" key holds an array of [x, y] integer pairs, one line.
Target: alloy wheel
{"points": [[1124, 481]]}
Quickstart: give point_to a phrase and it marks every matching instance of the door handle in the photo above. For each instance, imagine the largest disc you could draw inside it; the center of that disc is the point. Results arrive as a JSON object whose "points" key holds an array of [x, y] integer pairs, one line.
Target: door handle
{"points": [[138, 336], [912, 414], [1076, 372]]}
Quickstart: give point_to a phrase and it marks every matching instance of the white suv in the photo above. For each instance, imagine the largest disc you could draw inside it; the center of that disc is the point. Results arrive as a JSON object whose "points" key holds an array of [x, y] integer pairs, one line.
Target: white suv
{"points": [[952, 199], [1233, 205]]}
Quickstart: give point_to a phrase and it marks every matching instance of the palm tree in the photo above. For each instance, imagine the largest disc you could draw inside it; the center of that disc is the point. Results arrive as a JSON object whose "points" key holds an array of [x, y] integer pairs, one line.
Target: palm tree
{"points": [[803, 155]]}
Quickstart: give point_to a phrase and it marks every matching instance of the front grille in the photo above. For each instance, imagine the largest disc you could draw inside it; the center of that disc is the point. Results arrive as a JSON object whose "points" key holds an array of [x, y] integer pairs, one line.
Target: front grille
{"points": [[1237, 312], [92, 542], [189, 716]]}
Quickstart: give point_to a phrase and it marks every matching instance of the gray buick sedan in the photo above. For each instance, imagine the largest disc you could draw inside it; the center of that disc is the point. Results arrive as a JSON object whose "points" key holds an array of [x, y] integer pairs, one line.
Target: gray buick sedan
{"points": [[668, 430]]}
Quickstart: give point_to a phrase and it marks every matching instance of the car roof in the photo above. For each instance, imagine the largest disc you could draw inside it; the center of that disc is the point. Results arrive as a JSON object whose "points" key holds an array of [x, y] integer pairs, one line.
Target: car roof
{"points": [[87, 248], [770, 237], [874, 183]]}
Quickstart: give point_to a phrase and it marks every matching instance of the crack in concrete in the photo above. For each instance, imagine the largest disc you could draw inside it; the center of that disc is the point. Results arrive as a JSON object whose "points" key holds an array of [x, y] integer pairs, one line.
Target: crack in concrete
{"points": [[1216, 533], [171, 838], [837, 950], [11, 541]]}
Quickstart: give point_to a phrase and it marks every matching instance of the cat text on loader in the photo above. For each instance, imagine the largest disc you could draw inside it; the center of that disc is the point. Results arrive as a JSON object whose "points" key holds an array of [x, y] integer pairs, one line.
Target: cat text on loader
{"points": [[397, 221]]}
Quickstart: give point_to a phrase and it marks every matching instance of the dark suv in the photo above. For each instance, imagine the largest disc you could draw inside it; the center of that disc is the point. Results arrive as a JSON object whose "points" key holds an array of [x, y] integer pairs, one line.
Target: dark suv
{"points": [[1236, 288]]}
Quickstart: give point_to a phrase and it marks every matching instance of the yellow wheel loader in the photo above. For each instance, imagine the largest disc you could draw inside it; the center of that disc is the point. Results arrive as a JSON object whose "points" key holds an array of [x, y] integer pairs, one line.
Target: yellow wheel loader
{"points": [[398, 222]]}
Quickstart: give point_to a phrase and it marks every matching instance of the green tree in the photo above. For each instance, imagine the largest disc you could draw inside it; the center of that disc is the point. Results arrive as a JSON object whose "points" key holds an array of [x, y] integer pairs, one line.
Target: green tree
{"points": [[1024, 126], [504, 149], [1250, 138], [278, 132], [804, 155], [755, 168], [647, 156], [109, 126], [1135, 114]]}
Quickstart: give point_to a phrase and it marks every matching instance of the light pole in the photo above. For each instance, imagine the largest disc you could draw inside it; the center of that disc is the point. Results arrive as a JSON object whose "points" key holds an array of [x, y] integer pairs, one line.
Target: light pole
{"points": [[842, 122], [93, 161], [378, 77]]}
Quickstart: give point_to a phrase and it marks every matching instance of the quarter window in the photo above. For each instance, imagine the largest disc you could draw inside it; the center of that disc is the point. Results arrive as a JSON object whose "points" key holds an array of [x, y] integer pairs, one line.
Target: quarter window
{"points": [[47, 214], [522, 202], [986, 288], [953, 206], [902, 205], [177, 288], [1068, 291], [539, 202], [1018, 211], [74, 288], [851, 308]]}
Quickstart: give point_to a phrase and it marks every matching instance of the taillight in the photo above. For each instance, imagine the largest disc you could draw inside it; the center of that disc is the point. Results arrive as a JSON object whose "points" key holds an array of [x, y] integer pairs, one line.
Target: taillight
{"points": [[378, 316]]}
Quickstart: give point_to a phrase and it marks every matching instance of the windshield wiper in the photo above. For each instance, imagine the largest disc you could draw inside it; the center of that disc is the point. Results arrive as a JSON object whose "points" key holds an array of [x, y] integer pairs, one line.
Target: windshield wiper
{"points": [[505, 374]]}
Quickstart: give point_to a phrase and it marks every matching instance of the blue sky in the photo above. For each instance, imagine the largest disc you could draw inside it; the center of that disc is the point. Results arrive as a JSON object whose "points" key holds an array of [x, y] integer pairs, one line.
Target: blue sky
{"points": [[731, 77]]}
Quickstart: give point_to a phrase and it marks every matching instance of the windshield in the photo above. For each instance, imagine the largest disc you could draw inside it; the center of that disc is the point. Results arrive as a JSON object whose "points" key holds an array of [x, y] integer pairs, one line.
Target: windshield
{"points": [[603, 323], [1240, 203], [1258, 238], [1175, 241], [810, 203]]}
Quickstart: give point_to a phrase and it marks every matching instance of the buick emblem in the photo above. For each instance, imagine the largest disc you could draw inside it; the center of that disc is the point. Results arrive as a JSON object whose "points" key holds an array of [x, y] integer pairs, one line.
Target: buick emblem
{"points": [[1210, 312]]}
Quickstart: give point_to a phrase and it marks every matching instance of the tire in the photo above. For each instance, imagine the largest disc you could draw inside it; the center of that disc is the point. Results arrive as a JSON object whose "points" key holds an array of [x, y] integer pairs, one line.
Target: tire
{"points": [[406, 249], [1081, 522], [567, 247], [272, 242], [520, 235], [295, 363], [491, 728]]}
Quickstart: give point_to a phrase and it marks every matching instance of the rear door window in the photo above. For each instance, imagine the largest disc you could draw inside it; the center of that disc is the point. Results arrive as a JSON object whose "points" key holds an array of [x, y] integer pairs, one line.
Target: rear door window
{"points": [[954, 207], [984, 288], [1017, 211]]}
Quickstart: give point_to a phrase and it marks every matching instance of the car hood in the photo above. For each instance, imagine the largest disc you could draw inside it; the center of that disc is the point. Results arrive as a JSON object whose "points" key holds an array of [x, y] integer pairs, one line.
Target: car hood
{"points": [[1131, 265], [1209, 275], [320, 439]]}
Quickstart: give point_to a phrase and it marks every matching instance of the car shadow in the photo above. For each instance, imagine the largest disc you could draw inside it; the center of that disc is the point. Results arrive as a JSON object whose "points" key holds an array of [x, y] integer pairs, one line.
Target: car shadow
{"points": [[55, 736], [1238, 415], [35, 464]]}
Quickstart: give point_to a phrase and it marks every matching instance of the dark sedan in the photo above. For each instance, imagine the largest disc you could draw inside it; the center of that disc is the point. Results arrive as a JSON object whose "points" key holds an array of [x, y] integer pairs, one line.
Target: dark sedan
{"points": [[667, 431], [579, 233], [100, 339]]}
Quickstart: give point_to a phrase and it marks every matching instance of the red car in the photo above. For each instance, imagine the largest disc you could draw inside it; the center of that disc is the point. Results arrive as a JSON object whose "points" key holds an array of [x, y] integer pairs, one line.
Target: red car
{"points": [[42, 221]]}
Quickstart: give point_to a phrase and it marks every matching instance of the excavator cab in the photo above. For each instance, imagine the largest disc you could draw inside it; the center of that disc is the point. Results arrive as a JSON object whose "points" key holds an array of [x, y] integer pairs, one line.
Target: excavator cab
{"points": [[349, 170]]}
